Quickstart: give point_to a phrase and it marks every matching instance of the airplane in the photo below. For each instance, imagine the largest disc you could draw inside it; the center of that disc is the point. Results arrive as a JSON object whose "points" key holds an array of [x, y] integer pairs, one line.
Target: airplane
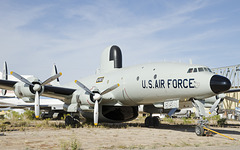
{"points": [[114, 93], [50, 108]]}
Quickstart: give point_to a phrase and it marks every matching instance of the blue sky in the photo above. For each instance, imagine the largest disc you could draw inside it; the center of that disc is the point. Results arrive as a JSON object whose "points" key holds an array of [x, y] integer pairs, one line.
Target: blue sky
{"points": [[73, 33]]}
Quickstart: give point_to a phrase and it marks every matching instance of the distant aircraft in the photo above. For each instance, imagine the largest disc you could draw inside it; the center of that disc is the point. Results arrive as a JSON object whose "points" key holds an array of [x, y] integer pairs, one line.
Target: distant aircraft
{"points": [[114, 93]]}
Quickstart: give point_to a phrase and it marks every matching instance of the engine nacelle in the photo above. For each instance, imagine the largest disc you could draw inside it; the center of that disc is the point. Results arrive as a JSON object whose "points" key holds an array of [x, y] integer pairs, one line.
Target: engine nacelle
{"points": [[84, 98], [25, 91]]}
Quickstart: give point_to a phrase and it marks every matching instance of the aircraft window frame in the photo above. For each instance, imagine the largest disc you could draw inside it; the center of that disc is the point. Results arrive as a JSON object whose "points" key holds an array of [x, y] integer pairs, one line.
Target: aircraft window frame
{"points": [[190, 70], [200, 69], [195, 70], [209, 70]]}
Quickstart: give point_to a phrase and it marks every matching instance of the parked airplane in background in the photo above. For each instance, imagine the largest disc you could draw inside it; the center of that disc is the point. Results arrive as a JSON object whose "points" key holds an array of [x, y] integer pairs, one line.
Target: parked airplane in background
{"points": [[114, 93]]}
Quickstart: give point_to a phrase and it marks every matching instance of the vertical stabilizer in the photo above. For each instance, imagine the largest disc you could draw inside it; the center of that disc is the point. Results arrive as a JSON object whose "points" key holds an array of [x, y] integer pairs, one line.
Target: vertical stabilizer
{"points": [[111, 59]]}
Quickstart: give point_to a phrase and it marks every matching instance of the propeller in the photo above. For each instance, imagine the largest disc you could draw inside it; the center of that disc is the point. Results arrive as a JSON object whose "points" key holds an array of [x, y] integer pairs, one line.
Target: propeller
{"points": [[215, 105], [96, 98], [37, 87], [232, 99], [220, 99], [95, 120]]}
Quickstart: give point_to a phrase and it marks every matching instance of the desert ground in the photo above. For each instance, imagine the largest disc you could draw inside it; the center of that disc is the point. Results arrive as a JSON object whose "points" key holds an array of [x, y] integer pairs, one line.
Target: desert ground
{"points": [[118, 136]]}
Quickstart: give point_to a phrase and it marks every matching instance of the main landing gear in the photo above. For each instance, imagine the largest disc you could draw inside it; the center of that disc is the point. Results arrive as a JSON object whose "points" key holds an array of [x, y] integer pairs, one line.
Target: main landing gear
{"points": [[73, 121], [151, 121]]}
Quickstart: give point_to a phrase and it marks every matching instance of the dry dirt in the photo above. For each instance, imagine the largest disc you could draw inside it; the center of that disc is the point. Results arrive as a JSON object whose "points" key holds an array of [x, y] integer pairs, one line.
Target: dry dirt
{"points": [[127, 136]]}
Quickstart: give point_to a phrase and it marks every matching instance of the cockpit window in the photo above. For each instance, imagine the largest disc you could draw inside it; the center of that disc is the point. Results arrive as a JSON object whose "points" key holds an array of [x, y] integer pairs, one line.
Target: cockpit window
{"points": [[190, 70], [209, 70], [195, 70], [200, 69]]}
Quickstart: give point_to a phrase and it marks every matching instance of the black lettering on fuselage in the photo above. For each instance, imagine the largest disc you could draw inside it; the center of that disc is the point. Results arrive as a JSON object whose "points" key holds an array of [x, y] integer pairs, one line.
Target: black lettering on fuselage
{"points": [[180, 83], [144, 84], [185, 85], [156, 84], [191, 83], [150, 84], [171, 83], [174, 83], [162, 84]]}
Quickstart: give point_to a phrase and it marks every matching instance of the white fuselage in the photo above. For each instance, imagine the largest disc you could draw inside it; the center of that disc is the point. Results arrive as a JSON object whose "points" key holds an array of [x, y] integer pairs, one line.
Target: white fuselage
{"points": [[151, 83]]}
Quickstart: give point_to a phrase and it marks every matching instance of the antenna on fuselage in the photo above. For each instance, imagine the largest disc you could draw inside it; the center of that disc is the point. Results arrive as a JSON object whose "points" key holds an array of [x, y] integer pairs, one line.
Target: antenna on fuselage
{"points": [[190, 61]]}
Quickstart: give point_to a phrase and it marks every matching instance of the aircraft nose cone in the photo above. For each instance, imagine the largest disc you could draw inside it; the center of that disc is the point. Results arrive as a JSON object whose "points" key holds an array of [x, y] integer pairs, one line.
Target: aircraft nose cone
{"points": [[219, 84]]}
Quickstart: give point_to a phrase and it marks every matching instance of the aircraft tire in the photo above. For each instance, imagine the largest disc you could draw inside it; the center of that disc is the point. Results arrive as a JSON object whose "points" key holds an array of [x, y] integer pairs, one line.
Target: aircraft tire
{"points": [[155, 121], [199, 130], [148, 121], [69, 121]]}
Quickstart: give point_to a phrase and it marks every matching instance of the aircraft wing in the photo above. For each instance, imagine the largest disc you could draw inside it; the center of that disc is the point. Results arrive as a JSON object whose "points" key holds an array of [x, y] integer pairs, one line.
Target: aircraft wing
{"points": [[7, 84], [7, 105], [57, 92], [49, 91]]}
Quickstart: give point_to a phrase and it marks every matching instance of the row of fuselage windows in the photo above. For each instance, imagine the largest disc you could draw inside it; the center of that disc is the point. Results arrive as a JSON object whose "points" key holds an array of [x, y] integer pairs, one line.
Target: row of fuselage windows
{"points": [[200, 69]]}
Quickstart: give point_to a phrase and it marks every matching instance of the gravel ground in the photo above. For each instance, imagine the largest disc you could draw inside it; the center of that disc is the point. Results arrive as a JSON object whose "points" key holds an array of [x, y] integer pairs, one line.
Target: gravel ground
{"points": [[128, 136]]}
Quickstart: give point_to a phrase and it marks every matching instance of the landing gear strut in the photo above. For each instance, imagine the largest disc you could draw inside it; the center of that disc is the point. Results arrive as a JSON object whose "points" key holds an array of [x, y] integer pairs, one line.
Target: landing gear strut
{"points": [[200, 112], [199, 130], [152, 121]]}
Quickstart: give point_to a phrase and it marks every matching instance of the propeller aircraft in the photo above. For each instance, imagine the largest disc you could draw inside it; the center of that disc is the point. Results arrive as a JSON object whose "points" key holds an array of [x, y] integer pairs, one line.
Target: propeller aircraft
{"points": [[114, 93]]}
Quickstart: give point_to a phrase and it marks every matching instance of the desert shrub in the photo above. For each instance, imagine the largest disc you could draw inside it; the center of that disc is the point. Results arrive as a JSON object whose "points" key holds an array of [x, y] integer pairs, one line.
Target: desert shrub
{"points": [[221, 122], [28, 114]]}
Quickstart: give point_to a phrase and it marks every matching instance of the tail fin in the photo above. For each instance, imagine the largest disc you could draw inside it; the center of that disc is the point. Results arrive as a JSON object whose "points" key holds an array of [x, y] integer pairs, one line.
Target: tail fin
{"points": [[55, 82], [4, 76]]}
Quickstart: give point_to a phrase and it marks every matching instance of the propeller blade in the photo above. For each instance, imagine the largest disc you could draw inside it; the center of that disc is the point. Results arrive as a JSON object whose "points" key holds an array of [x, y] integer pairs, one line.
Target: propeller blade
{"points": [[5, 71], [83, 87], [95, 114], [37, 105], [232, 99], [4, 76], [110, 89], [19, 77], [214, 105], [52, 78]]}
